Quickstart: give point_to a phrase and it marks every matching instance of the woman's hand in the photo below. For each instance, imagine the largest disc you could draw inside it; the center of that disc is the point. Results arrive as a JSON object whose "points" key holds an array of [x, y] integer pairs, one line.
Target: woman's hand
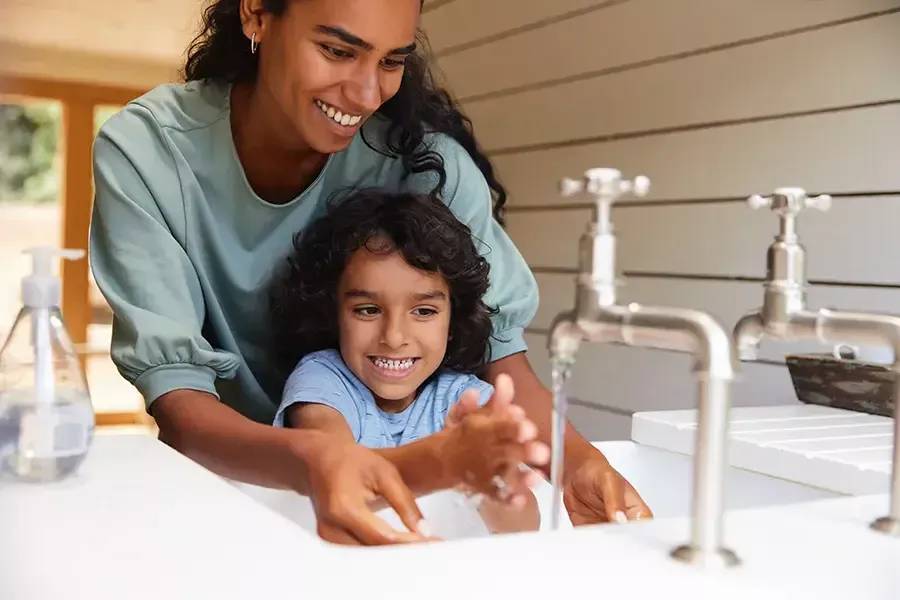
{"points": [[485, 446], [341, 478], [597, 493], [345, 481]]}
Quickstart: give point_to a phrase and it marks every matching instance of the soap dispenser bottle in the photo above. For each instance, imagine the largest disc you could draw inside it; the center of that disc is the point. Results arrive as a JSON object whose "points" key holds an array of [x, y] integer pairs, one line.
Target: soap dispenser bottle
{"points": [[46, 415]]}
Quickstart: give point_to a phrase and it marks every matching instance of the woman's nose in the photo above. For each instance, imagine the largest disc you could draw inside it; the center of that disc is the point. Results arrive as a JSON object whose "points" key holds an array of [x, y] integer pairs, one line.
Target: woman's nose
{"points": [[364, 91]]}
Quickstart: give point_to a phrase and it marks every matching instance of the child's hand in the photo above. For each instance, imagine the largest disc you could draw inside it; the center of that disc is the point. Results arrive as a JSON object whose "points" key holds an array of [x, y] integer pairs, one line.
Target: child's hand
{"points": [[502, 518], [486, 446]]}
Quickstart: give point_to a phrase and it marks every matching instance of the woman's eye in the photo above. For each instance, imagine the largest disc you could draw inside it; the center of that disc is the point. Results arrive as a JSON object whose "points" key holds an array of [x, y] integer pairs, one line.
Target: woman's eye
{"points": [[392, 64], [336, 52]]}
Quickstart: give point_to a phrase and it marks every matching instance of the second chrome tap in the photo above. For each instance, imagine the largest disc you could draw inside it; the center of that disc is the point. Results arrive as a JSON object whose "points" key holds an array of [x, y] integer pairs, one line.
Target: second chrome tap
{"points": [[785, 317]]}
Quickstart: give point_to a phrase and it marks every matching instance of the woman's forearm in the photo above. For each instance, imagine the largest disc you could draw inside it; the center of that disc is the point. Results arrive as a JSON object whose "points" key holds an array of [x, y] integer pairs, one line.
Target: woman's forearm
{"points": [[231, 445]]}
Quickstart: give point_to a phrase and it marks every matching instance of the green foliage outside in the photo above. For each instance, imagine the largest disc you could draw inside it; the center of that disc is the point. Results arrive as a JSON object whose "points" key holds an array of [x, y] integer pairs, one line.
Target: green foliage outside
{"points": [[29, 137], [30, 167]]}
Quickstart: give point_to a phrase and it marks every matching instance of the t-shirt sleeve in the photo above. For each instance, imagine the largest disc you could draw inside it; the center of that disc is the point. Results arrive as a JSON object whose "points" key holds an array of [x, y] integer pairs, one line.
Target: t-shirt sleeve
{"points": [[318, 382], [138, 259], [514, 290]]}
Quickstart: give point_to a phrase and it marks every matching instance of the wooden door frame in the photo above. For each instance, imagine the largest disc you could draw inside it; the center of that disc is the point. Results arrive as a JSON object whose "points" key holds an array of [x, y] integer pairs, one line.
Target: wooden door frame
{"points": [[79, 101]]}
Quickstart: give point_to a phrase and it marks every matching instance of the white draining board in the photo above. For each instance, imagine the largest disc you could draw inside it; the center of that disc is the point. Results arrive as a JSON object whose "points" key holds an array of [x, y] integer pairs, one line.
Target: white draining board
{"points": [[828, 448]]}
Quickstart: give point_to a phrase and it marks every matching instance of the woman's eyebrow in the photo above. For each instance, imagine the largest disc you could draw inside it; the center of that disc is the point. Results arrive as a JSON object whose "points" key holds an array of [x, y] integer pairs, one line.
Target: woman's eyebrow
{"points": [[354, 40]]}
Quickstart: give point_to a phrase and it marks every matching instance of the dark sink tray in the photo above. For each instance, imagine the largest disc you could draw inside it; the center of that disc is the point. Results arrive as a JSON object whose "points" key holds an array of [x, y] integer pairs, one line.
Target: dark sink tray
{"points": [[849, 384]]}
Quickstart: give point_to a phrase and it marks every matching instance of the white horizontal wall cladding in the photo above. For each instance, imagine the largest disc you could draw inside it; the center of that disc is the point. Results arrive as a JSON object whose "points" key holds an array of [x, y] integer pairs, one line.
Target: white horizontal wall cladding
{"points": [[855, 241], [817, 70], [460, 22], [714, 100], [626, 34], [841, 152], [727, 301]]}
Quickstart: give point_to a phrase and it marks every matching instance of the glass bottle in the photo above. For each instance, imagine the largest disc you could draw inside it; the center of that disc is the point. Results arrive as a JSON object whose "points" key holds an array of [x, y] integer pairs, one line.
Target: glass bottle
{"points": [[46, 415]]}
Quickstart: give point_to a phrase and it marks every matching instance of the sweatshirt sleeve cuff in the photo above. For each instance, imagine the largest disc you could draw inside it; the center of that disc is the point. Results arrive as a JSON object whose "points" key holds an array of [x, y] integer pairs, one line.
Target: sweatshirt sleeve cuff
{"points": [[163, 379]]}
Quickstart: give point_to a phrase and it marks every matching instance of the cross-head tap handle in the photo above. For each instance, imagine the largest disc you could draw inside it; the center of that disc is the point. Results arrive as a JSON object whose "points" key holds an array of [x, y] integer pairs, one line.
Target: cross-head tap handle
{"points": [[789, 201], [605, 185]]}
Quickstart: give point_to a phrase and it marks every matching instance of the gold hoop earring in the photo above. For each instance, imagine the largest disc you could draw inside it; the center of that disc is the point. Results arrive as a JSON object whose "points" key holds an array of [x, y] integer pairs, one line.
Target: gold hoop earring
{"points": [[253, 44]]}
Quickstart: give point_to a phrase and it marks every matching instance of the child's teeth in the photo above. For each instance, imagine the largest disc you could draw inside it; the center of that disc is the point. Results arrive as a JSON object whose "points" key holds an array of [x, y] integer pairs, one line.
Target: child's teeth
{"points": [[345, 120], [330, 112], [354, 120], [397, 365]]}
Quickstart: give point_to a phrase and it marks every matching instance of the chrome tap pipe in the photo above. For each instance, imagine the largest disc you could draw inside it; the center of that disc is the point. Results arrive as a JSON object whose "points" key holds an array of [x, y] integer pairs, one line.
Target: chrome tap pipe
{"points": [[784, 315], [598, 317]]}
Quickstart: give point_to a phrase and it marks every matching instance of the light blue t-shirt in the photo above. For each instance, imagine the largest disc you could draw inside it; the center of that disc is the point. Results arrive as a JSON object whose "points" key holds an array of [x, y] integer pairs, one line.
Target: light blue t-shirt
{"points": [[323, 378], [183, 249]]}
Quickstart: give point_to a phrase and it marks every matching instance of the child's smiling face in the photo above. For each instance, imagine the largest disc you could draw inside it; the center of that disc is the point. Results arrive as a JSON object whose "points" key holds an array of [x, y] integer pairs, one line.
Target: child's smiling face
{"points": [[394, 324]]}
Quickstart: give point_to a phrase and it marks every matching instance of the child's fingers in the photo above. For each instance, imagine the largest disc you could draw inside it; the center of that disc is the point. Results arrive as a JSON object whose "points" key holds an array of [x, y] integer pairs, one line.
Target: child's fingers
{"points": [[508, 433], [516, 412], [468, 402], [537, 453], [527, 431], [513, 484], [504, 392], [532, 478]]}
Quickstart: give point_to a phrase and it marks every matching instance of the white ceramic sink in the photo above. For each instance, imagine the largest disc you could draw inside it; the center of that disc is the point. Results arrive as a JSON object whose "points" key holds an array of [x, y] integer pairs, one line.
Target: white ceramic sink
{"points": [[662, 478], [212, 541]]}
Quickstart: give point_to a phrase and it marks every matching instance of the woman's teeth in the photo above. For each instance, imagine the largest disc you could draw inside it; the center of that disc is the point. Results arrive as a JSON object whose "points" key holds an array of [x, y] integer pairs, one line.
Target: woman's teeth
{"points": [[337, 116], [394, 365]]}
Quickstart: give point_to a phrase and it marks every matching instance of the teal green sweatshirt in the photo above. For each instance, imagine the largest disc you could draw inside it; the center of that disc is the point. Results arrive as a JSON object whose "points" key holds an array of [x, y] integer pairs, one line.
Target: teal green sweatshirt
{"points": [[182, 248]]}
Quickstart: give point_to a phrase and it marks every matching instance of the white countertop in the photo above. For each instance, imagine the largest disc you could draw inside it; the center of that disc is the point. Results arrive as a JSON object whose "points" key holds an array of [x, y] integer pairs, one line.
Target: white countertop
{"points": [[143, 523], [828, 448]]}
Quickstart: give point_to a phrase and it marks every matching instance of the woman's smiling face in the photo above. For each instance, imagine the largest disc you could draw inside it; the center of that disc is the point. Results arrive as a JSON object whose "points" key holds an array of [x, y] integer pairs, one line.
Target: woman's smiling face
{"points": [[330, 64]]}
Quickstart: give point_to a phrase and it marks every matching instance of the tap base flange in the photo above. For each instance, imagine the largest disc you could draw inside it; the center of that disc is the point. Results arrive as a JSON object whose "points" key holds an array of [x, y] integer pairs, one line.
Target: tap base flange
{"points": [[718, 559], [888, 525]]}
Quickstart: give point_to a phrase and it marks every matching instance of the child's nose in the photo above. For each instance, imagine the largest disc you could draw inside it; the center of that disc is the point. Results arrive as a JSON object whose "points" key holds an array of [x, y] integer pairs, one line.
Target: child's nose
{"points": [[394, 334]]}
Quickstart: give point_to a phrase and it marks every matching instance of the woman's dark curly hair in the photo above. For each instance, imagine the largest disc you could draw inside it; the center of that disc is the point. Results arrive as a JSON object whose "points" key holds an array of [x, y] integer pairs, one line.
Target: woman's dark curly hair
{"points": [[304, 296], [221, 52]]}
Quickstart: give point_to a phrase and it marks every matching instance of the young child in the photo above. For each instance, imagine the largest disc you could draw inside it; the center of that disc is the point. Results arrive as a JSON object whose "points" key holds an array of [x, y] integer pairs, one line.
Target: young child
{"points": [[380, 313]]}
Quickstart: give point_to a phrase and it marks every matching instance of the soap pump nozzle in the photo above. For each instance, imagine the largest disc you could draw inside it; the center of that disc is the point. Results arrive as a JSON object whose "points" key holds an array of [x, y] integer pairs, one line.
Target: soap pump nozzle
{"points": [[41, 289]]}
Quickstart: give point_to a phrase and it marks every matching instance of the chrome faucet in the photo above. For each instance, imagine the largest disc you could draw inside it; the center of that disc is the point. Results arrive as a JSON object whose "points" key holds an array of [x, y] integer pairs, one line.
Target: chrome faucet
{"points": [[785, 317], [598, 317]]}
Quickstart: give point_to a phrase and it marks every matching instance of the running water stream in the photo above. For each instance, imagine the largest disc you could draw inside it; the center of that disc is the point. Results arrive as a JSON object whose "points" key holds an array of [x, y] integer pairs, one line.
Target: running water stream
{"points": [[560, 374]]}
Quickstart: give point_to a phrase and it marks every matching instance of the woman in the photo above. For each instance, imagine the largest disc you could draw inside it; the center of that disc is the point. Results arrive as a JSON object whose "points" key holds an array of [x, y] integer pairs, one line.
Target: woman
{"points": [[199, 190]]}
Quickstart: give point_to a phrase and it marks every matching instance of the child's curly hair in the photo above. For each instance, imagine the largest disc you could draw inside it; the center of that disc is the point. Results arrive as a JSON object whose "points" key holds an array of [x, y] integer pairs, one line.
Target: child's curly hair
{"points": [[304, 301]]}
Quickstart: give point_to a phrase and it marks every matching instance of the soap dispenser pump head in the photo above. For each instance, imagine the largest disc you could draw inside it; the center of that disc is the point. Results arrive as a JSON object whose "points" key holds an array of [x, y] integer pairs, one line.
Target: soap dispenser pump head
{"points": [[41, 289]]}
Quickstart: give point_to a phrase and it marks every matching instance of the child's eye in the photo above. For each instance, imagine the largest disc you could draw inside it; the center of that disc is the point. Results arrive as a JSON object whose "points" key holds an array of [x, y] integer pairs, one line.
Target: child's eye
{"points": [[366, 311], [425, 312]]}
